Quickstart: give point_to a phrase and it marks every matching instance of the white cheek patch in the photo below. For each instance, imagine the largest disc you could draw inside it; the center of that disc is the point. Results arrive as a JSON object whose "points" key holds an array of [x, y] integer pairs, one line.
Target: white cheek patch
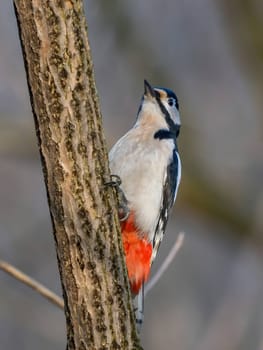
{"points": [[173, 112], [175, 116]]}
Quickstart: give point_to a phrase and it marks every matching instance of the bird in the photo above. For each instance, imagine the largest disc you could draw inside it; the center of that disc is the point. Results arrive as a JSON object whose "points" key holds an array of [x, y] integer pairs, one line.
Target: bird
{"points": [[147, 162]]}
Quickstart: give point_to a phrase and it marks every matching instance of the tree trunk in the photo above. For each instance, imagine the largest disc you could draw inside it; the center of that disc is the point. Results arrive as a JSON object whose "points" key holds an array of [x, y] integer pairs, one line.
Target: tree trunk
{"points": [[98, 306]]}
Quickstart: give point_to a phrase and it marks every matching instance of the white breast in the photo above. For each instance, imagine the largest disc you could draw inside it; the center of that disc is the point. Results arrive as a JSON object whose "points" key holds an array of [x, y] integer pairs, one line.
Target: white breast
{"points": [[141, 162]]}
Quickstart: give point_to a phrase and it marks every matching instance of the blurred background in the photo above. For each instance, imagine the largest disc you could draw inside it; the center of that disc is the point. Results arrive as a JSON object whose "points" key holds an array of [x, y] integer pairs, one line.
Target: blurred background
{"points": [[210, 53]]}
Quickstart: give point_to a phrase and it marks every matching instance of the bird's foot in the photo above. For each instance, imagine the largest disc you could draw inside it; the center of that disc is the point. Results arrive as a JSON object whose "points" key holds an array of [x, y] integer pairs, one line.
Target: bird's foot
{"points": [[123, 208]]}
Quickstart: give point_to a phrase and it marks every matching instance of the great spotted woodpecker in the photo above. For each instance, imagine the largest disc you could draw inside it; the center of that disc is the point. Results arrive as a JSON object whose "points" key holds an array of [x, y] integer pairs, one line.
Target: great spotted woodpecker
{"points": [[147, 161]]}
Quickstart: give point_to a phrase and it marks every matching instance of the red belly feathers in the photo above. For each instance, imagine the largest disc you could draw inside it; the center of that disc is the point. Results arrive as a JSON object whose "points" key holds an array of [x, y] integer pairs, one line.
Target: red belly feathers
{"points": [[138, 252]]}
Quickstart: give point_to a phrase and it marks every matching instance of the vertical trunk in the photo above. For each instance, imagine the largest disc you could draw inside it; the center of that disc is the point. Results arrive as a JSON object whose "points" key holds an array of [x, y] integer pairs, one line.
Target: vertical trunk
{"points": [[64, 99]]}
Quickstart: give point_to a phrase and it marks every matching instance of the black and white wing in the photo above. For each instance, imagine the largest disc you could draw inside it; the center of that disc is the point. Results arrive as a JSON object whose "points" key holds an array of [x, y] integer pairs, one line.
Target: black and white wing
{"points": [[170, 188], [171, 184]]}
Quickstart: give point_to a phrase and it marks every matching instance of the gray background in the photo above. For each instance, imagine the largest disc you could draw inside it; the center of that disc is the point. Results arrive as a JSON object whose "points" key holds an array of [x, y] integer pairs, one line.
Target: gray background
{"points": [[210, 54]]}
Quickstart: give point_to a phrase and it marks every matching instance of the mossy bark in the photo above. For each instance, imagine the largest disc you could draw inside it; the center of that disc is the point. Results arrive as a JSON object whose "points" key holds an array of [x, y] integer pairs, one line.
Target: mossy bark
{"points": [[65, 105]]}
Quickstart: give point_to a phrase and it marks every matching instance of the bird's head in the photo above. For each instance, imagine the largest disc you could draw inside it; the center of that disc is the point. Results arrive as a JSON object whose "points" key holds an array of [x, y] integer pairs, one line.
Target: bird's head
{"points": [[160, 106]]}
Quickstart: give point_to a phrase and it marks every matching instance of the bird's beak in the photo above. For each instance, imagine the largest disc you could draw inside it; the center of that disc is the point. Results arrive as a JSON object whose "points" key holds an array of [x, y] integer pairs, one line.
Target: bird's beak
{"points": [[148, 90]]}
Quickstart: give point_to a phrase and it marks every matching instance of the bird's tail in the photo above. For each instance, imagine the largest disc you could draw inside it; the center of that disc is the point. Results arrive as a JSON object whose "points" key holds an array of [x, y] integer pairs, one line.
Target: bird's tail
{"points": [[139, 308]]}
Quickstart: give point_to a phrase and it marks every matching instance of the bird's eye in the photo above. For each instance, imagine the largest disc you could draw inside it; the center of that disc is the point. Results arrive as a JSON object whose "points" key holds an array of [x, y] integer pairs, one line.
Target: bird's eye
{"points": [[171, 102]]}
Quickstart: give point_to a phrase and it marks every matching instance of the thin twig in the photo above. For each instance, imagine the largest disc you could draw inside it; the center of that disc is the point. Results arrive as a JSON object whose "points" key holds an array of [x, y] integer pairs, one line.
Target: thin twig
{"points": [[55, 299], [168, 260], [30, 282]]}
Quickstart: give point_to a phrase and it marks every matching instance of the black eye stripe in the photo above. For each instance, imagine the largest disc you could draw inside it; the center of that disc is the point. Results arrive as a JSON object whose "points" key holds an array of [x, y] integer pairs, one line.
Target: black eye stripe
{"points": [[173, 128], [169, 95]]}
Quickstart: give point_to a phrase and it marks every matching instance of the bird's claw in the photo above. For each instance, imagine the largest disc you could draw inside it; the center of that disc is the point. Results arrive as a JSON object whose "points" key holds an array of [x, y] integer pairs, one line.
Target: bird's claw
{"points": [[115, 181], [123, 208]]}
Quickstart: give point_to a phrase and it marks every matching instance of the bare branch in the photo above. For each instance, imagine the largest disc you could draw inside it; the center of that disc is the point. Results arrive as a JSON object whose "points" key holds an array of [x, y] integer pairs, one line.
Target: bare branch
{"points": [[167, 262], [30, 282]]}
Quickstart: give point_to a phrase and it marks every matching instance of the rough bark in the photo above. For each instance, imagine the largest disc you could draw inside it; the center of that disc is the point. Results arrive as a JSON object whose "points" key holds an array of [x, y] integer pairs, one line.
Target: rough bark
{"points": [[64, 100]]}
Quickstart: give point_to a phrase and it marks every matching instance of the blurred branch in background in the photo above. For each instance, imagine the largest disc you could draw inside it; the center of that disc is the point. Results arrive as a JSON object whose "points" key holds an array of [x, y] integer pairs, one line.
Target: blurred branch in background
{"points": [[56, 300], [165, 264], [30, 282]]}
